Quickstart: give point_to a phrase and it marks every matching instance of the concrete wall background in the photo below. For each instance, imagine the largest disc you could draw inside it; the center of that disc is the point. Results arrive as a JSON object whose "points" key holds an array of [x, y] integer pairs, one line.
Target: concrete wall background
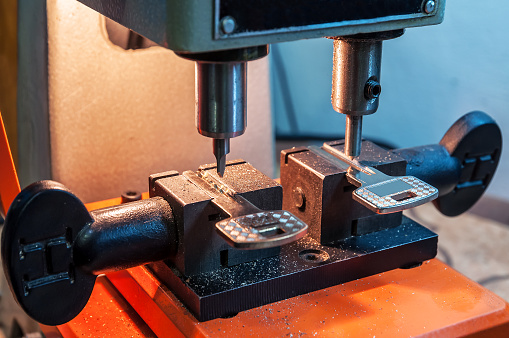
{"points": [[430, 77]]}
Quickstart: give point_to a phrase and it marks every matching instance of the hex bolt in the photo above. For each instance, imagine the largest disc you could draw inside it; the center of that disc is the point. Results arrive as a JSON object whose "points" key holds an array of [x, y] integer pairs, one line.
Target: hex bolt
{"points": [[130, 196], [372, 90], [228, 25], [429, 6]]}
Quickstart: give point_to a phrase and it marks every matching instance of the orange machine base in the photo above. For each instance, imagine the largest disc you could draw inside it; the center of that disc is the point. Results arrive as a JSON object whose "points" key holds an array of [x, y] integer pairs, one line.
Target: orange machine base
{"points": [[430, 300]]}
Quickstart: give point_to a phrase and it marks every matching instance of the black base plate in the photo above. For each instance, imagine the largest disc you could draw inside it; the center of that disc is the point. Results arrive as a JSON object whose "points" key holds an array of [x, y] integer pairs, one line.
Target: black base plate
{"points": [[301, 267]]}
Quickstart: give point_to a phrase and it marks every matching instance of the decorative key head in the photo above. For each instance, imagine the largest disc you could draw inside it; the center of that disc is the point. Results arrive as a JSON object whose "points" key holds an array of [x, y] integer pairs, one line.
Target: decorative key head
{"points": [[265, 229], [397, 194]]}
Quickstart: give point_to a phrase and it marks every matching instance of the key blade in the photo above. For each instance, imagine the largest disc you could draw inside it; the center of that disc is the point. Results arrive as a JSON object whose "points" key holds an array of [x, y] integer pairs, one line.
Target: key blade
{"points": [[377, 191], [266, 229], [397, 194], [352, 162]]}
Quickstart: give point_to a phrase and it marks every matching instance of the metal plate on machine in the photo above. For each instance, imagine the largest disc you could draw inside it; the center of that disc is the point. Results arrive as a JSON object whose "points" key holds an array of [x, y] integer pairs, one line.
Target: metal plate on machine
{"points": [[252, 17]]}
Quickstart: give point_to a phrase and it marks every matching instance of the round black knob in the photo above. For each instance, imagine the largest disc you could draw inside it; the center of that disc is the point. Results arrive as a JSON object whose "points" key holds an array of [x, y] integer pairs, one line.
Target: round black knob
{"points": [[53, 248], [475, 141], [40, 228]]}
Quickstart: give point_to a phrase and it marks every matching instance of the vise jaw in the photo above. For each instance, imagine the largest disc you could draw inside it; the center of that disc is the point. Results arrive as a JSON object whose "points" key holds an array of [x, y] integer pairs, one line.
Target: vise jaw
{"points": [[320, 194]]}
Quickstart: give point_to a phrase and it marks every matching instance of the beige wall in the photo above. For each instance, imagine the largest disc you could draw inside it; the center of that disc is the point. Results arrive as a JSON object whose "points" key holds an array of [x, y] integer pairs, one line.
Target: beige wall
{"points": [[117, 116]]}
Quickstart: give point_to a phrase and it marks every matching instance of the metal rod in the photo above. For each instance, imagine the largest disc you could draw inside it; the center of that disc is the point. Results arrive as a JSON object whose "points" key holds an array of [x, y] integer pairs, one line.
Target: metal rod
{"points": [[353, 136], [356, 65], [221, 99], [221, 104]]}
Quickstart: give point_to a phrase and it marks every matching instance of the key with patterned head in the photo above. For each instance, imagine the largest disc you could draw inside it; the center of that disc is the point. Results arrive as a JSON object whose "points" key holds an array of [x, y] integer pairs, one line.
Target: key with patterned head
{"points": [[377, 191], [248, 227]]}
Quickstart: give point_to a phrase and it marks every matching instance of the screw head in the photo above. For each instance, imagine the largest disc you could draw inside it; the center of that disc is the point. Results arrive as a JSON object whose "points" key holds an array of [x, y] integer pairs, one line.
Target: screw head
{"points": [[314, 256], [429, 6], [228, 25], [372, 89], [130, 196]]}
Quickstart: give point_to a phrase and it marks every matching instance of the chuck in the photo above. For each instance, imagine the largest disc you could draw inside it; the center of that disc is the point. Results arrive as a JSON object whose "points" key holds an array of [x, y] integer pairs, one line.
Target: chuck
{"points": [[221, 96]]}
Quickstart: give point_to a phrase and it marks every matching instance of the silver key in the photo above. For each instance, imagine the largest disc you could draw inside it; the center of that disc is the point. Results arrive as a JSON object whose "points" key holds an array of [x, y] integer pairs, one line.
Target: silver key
{"points": [[265, 229], [248, 227], [377, 191]]}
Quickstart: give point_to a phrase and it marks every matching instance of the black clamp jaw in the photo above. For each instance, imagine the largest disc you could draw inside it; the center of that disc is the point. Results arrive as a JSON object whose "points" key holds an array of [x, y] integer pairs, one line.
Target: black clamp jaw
{"points": [[53, 248]]}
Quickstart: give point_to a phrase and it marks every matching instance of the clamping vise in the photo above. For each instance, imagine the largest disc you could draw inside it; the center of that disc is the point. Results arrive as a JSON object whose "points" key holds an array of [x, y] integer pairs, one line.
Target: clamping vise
{"points": [[227, 244]]}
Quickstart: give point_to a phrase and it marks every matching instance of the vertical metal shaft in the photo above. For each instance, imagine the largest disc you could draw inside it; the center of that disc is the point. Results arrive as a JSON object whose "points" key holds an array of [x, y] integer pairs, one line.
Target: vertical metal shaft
{"points": [[355, 85], [353, 135], [221, 104], [356, 61]]}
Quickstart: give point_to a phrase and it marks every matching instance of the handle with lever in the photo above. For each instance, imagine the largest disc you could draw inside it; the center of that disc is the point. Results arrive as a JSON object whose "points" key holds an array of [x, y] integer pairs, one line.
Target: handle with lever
{"points": [[462, 165], [53, 248]]}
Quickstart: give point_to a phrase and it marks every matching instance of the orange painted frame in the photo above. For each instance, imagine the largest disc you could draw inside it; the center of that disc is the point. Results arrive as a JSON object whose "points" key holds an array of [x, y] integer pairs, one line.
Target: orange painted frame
{"points": [[431, 300], [9, 184]]}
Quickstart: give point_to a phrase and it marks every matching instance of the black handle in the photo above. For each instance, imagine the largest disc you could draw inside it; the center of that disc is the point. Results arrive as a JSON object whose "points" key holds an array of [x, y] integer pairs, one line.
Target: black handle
{"points": [[126, 235], [53, 248], [462, 165]]}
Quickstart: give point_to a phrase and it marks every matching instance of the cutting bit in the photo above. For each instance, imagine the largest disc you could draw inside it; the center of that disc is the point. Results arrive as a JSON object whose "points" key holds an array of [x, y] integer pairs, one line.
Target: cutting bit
{"points": [[221, 148], [353, 138]]}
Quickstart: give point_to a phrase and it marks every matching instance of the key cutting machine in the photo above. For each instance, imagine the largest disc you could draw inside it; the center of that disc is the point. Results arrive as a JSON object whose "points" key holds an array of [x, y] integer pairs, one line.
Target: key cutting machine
{"points": [[226, 238]]}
